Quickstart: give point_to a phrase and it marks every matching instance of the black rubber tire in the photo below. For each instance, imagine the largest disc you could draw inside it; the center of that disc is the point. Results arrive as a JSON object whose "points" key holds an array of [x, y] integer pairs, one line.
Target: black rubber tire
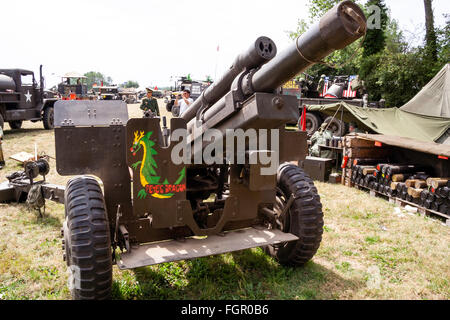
{"points": [[48, 118], [169, 106], [313, 123], [87, 240], [2, 122], [17, 124], [304, 218], [337, 127], [176, 111]]}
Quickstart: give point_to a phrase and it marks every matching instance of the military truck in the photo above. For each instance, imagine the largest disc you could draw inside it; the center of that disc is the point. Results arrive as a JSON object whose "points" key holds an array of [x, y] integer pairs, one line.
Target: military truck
{"points": [[23, 98], [129, 95], [108, 93], [334, 89], [73, 86], [184, 83]]}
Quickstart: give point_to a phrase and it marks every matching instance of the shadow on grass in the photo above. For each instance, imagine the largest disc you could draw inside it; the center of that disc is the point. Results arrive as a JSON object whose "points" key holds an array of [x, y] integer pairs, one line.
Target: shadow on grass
{"points": [[248, 274], [32, 216], [45, 219]]}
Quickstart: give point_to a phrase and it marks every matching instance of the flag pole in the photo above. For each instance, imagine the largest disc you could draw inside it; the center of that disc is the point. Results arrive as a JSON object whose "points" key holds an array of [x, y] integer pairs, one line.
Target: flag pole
{"points": [[215, 68]]}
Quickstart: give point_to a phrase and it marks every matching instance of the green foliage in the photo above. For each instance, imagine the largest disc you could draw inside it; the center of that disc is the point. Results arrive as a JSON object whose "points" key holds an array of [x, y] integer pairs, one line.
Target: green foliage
{"points": [[130, 84], [389, 67], [397, 77], [318, 8], [374, 41], [97, 78], [443, 41], [337, 63]]}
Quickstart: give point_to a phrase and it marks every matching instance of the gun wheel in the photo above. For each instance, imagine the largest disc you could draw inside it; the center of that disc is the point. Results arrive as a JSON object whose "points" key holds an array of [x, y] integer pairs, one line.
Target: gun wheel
{"points": [[304, 218], [87, 241]]}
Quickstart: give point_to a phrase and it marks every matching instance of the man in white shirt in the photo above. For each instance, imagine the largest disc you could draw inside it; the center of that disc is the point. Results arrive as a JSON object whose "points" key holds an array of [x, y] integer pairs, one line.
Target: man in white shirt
{"points": [[185, 102]]}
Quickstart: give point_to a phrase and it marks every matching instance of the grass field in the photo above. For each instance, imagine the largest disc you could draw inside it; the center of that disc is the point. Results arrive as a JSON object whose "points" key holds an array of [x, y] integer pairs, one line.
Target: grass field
{"points": [[370, 250]]}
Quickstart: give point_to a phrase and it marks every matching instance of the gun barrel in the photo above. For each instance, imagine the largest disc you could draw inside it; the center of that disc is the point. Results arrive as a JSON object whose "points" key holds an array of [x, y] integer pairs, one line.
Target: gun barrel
{"points": [[261, 51], [339, 27]]}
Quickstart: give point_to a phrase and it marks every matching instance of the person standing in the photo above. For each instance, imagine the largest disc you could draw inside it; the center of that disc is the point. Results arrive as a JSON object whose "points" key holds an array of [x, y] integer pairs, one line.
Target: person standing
{"points": [[321, 85], [149, 105], [353, 128], [2, 159], [185, 102], [319, 138]]}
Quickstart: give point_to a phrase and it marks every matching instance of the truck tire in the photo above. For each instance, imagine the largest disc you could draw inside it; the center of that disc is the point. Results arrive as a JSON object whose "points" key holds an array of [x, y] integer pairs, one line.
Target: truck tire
{"points": [[17, 124], [87, 241], [337, 127], [48, 118], [313, 123], [304, 218]]}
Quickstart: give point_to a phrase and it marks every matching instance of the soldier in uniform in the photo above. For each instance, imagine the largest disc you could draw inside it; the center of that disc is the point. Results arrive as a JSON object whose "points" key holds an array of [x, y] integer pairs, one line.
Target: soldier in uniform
{"points": [[353, 128], [320, 137], [149, 105], [303, 86], [321, 84], [2, 159]]}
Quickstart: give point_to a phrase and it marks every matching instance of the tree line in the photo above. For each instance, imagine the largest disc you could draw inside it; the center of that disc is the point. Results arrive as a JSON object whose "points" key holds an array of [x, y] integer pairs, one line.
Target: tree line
{"points": [[98, 78]]}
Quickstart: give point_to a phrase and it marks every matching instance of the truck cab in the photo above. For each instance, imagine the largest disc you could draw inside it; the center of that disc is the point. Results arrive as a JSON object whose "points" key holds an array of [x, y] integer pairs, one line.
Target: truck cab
{"points": [[73, 87], [22, 98]]}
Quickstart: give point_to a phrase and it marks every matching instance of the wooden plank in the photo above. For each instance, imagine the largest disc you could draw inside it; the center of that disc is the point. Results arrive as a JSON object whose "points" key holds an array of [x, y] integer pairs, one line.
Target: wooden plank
{"points": [[22, 156], [348, 173], [348, 182], [358, 142], [367, 152]]}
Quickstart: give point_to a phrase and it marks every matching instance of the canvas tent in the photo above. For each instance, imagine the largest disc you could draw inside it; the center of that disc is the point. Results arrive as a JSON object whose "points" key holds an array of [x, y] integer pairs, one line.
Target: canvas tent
{"points": [[426, 117], [434, 99]]}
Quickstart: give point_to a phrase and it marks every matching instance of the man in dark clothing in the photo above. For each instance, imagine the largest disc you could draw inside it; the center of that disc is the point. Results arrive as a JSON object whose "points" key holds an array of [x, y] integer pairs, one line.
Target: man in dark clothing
{"points": [[149, 105], [2, 159]]}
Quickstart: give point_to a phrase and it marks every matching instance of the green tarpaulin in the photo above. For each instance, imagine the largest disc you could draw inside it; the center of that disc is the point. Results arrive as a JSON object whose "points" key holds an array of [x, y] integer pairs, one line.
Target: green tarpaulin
{"points": [[392, 121]]}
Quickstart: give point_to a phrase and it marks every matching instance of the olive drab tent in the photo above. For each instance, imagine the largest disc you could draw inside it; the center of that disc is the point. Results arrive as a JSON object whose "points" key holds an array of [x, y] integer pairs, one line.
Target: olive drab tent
{"points": [[426, 117], [434, 99]]}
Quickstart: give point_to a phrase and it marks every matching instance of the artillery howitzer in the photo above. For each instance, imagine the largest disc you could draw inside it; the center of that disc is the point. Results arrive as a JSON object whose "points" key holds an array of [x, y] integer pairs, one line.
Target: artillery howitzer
{"points": [[156, 209]]}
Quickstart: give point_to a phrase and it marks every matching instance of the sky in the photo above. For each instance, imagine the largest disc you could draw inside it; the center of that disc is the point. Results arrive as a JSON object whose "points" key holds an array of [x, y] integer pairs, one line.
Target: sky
{"points": [[153, 42]]}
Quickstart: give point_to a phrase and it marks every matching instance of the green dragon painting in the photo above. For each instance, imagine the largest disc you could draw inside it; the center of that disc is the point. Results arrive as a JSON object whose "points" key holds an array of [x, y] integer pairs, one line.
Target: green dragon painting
{"points": [[149, 179]]}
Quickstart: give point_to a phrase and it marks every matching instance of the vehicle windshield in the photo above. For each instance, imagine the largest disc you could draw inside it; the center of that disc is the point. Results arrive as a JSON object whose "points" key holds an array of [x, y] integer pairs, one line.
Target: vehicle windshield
{"points": [[27, 79]]}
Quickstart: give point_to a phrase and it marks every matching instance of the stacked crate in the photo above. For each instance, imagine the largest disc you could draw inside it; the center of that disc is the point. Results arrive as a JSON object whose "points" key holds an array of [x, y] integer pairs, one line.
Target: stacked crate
{"points": [[358, 152], [368, 166]]}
